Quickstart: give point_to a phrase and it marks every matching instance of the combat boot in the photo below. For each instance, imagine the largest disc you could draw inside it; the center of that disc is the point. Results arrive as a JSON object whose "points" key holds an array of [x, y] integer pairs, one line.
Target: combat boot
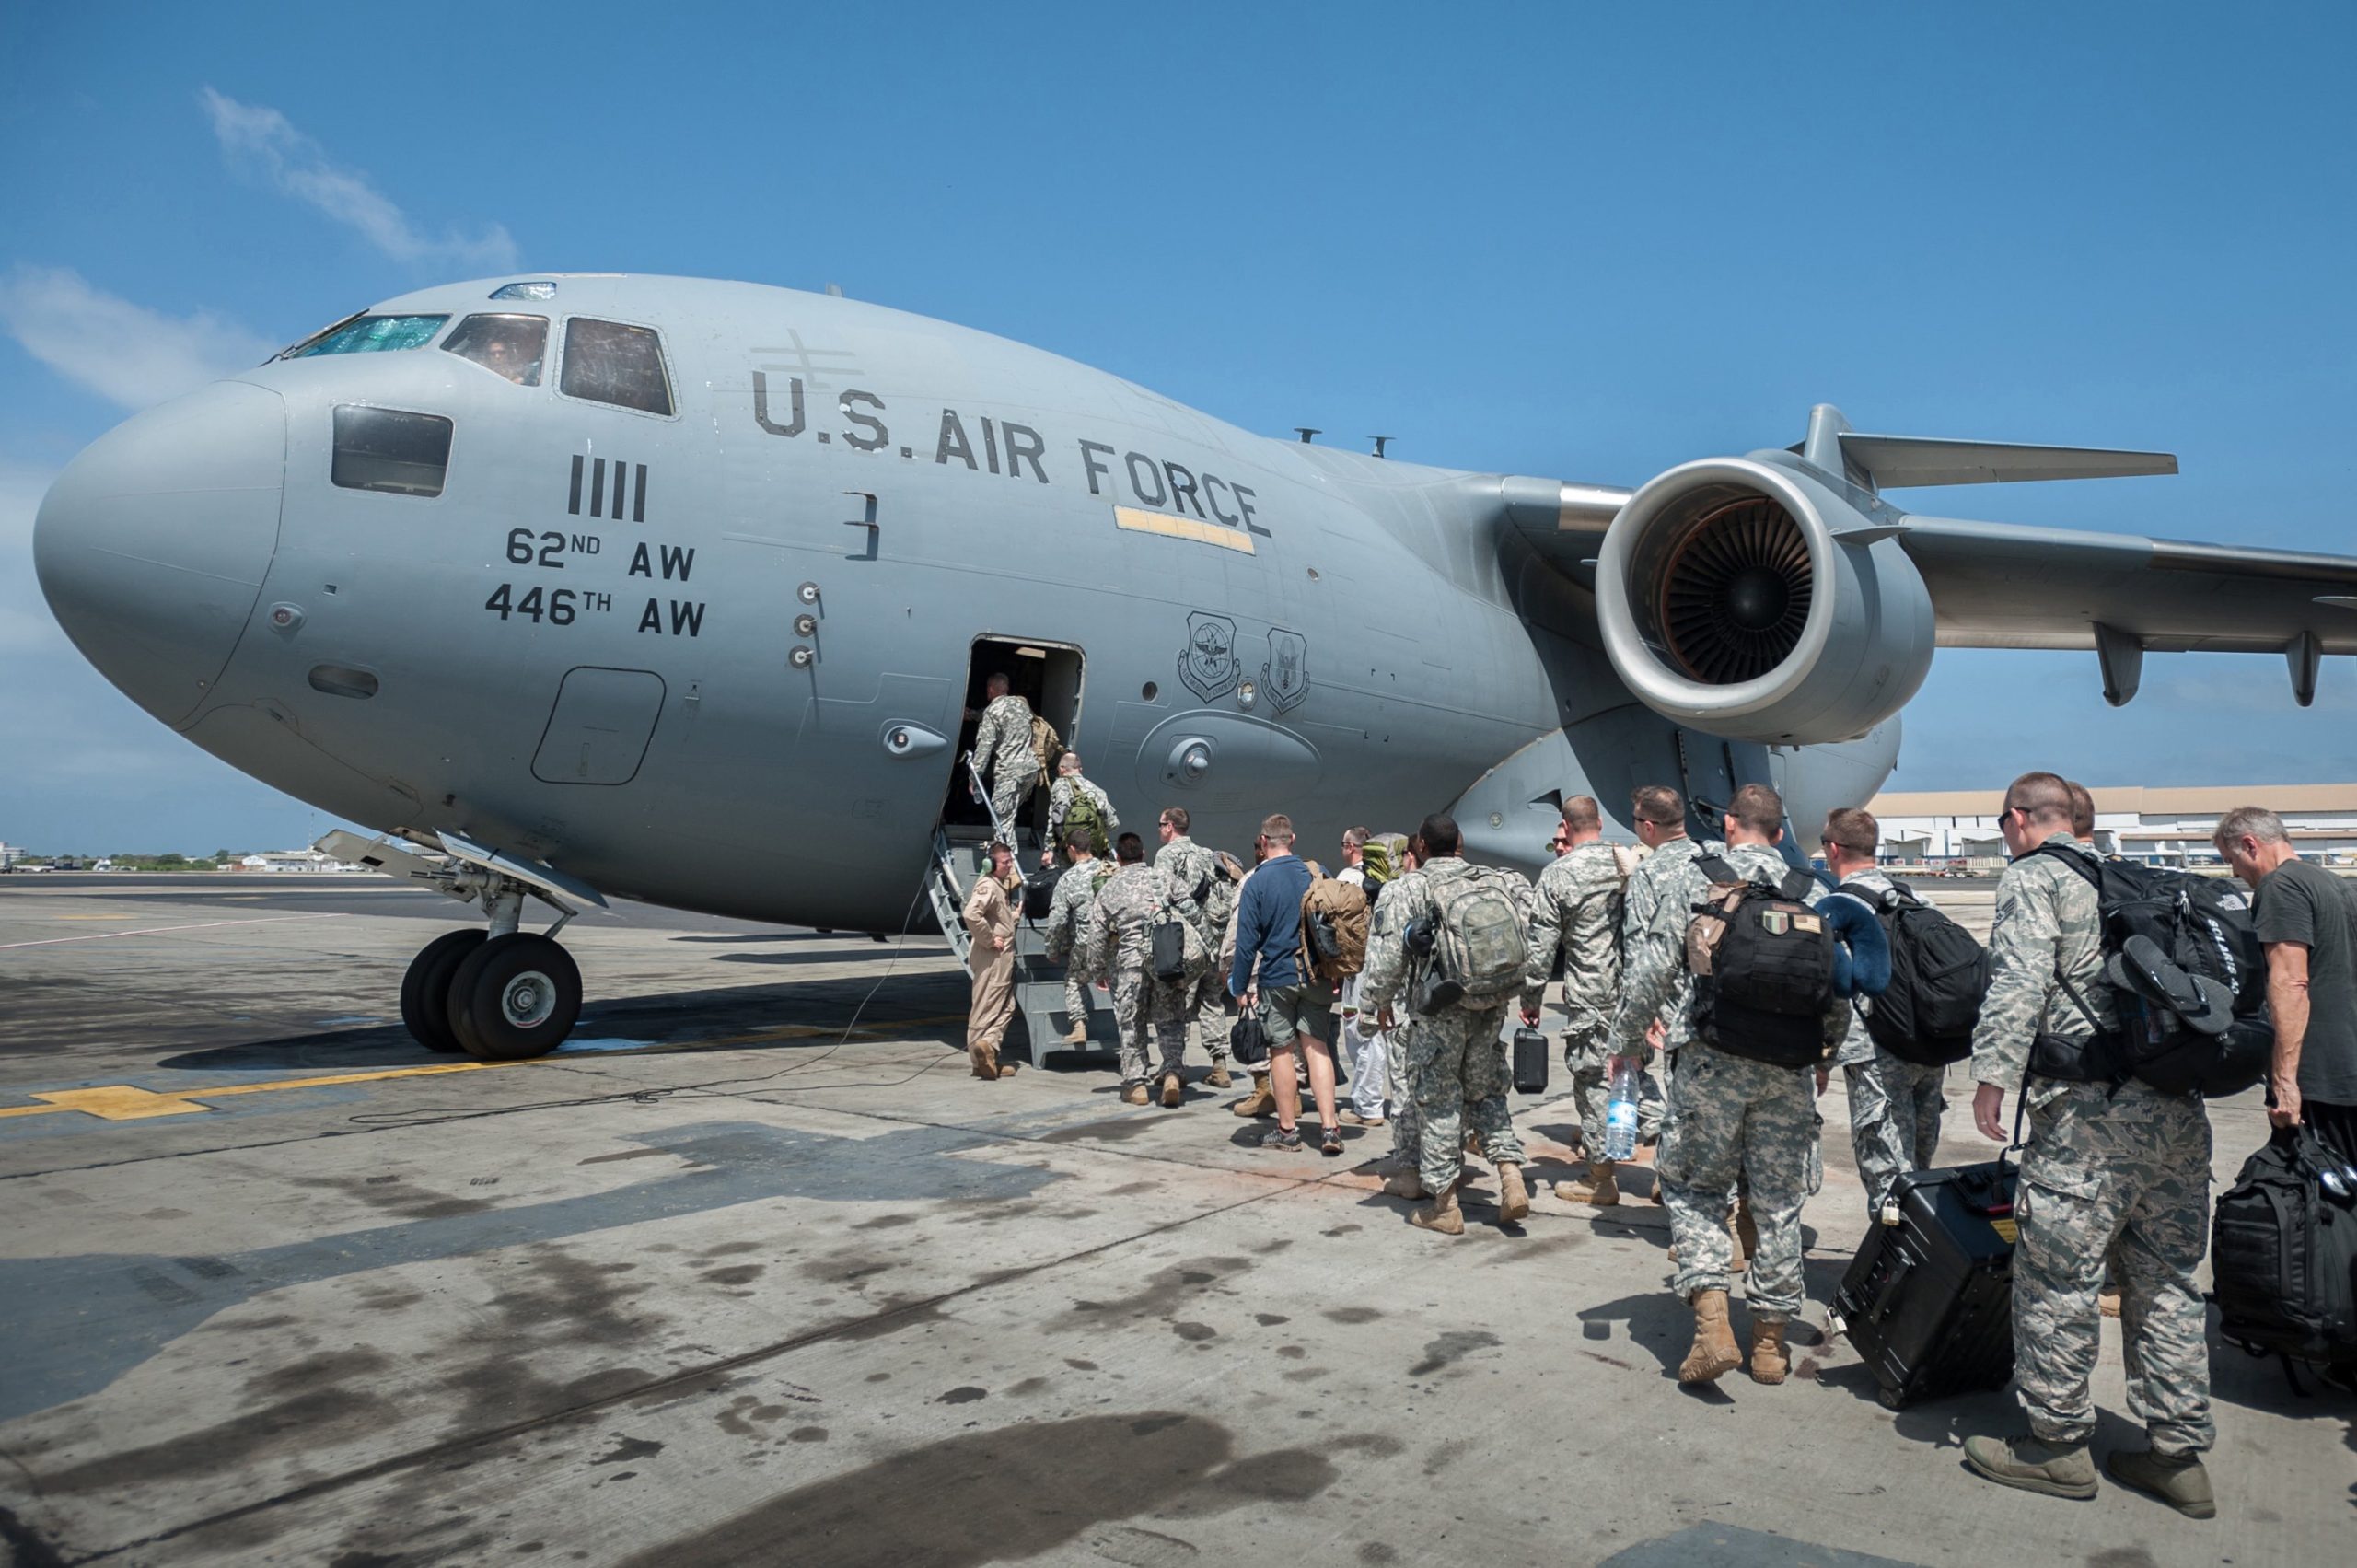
{"points": [[1172, 1091], [1599, 1191], [979, 1056], [2177, 1480], [1714, 1354], [2033, 1466], [1217, 1078], [1078, 1033], [1442, 1215], [1261, 1101], [1403, 1184], [1135, 1095], [1769, 1364], [1514, 1198]]}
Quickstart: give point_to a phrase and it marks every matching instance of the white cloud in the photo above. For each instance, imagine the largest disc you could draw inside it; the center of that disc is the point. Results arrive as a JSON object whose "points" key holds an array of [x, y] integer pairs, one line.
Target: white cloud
{"points": [[125, 353], [264, 140]]}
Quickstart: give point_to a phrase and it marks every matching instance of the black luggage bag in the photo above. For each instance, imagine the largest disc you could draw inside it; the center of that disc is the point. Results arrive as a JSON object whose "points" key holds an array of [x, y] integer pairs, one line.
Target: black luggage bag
{"points": [[1529, 1062], [1928, 1303]]}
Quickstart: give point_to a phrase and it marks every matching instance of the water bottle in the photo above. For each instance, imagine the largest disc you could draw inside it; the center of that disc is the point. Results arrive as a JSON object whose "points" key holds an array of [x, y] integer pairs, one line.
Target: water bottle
{"points": [[1620, 1110]]}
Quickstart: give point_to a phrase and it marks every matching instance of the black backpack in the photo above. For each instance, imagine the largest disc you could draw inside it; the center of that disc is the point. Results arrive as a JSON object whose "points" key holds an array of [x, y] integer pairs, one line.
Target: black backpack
{"points": [[2204, 927], [2284, 1255], [1763, 961], [1939, 973]]}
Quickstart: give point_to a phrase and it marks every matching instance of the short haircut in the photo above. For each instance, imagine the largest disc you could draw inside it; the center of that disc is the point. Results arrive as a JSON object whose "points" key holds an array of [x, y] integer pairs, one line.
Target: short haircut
{"points": [[1177, 816], [1657, 804], [1082, 839], [1439, 834], [1355, 838], [1128, 849], [2250, 821], [1854, 831], [998, 682], [1758, 809], [1069, 763], [1277, 828], [2045, 796], [2083, 810], [1583, 814]]}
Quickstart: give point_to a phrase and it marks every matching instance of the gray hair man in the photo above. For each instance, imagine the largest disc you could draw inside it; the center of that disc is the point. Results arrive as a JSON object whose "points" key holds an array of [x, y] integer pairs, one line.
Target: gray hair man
{"points": [[2307, 919]]}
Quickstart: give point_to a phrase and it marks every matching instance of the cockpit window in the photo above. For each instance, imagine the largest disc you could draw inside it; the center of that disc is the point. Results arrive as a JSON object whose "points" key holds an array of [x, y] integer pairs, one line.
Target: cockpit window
{"points": [[368, 335], [610, 363], [512, 345], [388, 450]]}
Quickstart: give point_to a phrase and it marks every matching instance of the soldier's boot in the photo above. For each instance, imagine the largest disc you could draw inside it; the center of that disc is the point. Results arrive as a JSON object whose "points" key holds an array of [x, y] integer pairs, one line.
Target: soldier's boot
{"points": [[1403, 1184], [2177, 1480], [1172, 1091], [2034, 1466], [1599, 1189], [1261, 1101], [1514, 1198], [1441, 1214], [991, 1067], [1714, 1354], [2107, 1303], [1769, 1364], [979, 1056], [1135, 1095], [1078, 1033], [1218, 1077]]}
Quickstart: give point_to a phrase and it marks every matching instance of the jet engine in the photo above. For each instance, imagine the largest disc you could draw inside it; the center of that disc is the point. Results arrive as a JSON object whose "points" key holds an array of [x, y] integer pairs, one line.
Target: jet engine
{"points": [[1751, 598]]}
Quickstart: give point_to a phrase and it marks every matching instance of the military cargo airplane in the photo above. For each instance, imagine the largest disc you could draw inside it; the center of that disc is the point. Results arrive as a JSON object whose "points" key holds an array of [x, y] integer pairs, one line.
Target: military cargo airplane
{"points": [[682, 591]]}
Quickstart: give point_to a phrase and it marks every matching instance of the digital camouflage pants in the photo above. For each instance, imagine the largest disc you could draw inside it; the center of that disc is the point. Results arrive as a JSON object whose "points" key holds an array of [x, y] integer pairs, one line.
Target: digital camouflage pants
{"points": [[1895, 1109], [1588, 1053], [1207, 1017], [1732, 1122], [2125, 1174], [1458, 1077], [1009, 790], [1145, 1011]]}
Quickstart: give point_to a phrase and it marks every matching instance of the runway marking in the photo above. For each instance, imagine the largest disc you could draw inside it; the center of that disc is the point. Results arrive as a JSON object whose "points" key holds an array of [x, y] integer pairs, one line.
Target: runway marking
{"points": [[160, 930], [125, 1102], [94, 917]]}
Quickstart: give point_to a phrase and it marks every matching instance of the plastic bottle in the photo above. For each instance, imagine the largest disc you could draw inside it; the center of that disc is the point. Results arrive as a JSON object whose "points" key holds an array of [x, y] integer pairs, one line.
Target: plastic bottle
{"points": [[1620, 1110]]}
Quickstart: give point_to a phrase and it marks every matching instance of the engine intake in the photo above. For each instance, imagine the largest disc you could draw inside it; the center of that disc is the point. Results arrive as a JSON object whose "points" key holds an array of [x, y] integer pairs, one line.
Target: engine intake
{"points": [[1730, 601]]}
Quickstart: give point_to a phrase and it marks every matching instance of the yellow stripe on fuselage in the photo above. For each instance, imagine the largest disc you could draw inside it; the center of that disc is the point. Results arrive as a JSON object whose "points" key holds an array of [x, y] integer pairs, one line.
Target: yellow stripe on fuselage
{"points": [[1194, 529]]}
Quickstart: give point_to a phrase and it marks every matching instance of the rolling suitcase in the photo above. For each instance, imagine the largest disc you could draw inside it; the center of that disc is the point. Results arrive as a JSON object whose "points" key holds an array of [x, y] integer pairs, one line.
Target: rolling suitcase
{"points": [[1929, 1301], [1529, 1062]]}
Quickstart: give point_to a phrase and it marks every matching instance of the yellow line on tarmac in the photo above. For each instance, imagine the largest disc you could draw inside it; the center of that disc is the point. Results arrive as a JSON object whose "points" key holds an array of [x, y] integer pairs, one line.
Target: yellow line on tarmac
{"points": [[124, 1102]]}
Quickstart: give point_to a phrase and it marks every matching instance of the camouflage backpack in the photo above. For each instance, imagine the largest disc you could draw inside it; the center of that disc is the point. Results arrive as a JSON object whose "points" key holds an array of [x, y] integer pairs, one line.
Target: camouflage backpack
{"points": [[1479, 938], [1083, 813]]}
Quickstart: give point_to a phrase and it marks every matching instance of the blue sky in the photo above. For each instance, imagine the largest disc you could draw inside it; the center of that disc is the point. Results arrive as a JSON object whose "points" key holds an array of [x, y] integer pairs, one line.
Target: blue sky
{"points": [[1588, 241]]}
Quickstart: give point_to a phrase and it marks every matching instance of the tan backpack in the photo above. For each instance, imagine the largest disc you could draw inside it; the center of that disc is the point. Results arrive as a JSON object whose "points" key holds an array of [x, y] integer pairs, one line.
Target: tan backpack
{"points": [[1048, 746], [1334, 928]]}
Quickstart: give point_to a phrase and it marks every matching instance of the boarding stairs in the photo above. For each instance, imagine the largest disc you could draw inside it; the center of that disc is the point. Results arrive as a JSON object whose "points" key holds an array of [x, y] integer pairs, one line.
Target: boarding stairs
{"points": [[961, 857]]}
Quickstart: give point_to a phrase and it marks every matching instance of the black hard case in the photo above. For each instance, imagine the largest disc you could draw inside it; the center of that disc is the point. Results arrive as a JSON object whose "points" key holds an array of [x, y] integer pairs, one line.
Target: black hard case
{"points": [[1530, 1062], [1928, 1303]]}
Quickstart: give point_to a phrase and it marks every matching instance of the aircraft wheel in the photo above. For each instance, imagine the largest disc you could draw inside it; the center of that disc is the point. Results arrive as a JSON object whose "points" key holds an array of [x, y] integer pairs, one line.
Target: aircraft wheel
{"points": [[426, 989], [514, 997]]}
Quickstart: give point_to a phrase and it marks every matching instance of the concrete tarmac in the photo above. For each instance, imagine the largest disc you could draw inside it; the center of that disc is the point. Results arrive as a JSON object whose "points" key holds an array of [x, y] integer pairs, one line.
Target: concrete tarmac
{"points": [[754, 1271]]}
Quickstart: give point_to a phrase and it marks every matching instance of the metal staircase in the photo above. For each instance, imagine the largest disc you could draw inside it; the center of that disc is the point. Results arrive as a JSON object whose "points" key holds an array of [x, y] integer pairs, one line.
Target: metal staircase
{"points": [[960, 858]]}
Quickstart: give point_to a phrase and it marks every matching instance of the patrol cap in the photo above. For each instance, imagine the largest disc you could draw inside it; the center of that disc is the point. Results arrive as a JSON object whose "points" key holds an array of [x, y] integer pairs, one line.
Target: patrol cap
{"points": [[2140, 966]]}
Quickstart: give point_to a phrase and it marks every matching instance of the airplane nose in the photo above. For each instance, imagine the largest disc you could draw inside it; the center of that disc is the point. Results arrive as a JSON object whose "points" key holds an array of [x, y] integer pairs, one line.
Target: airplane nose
{"points": [[152, 546]]}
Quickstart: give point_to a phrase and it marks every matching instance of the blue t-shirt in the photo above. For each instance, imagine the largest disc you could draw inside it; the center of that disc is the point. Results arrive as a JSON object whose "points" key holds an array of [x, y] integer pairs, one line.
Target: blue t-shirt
{"points": [[1268, 924]]}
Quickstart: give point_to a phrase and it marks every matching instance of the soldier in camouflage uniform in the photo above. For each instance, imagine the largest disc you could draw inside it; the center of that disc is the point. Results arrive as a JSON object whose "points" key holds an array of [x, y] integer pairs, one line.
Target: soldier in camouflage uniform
{"points": [[1118, 927], [1452, 1066], [1204, 894], [1068, 944], [1576, 913], [1070, 786], [2118, 1169], [1002, 753], [1729, 1117], [1895, 1105]]}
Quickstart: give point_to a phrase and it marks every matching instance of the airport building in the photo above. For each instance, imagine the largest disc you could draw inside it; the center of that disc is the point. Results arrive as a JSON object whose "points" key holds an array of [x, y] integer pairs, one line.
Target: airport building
{"points": [[289, 860], [2166, 827]]}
